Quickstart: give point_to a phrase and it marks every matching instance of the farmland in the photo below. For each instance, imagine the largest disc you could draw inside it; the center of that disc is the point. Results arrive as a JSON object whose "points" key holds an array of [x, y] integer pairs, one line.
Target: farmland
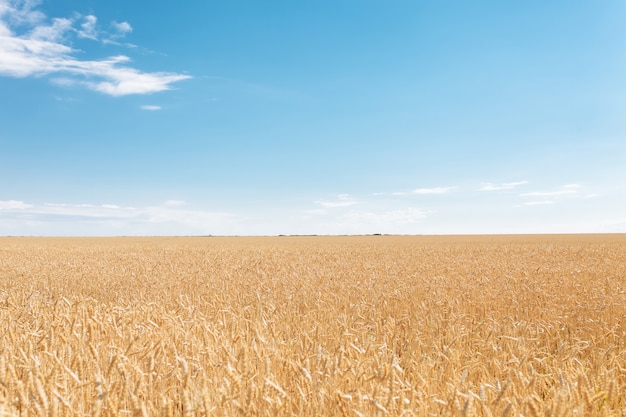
{"points": [[313, 326]]}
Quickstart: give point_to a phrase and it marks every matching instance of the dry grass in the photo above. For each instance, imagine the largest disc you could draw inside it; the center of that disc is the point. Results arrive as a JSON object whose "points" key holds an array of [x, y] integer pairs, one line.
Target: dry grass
{"points": [[356, 326]]}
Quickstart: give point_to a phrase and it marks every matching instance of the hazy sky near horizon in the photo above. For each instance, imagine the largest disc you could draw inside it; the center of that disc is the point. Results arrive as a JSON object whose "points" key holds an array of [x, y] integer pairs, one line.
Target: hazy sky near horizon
{"points": [[313, 117]]}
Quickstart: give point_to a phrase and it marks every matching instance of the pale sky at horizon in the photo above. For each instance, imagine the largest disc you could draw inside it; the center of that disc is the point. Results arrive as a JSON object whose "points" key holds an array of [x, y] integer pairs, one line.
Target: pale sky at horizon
{"points": [[349, 117]]}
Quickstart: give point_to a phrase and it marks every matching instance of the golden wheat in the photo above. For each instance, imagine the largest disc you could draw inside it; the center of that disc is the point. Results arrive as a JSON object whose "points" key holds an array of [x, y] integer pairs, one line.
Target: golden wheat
{"points": [[313, 326]]}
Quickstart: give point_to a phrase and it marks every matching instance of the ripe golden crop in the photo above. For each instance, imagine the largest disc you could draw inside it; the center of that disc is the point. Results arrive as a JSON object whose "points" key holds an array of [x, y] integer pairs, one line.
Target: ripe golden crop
{"points": [[313, 326]]}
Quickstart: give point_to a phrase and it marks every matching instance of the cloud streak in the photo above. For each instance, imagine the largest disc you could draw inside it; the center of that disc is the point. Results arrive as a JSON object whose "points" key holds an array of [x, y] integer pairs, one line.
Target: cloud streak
{"points": [[405, 220], [502, 186], [63, 218], [435, 190], [423, 191], [11, 205], [343, 200], [550, 197], [567, 189], [43, 48]]}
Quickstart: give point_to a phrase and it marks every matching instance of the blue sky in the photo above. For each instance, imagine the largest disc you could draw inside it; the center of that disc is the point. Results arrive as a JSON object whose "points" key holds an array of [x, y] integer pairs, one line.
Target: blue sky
{"points": [[312, 117]]}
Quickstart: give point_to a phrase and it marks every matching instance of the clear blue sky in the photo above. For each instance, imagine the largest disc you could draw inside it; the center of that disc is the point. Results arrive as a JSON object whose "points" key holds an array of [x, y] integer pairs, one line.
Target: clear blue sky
{"points": [[315, 117]]}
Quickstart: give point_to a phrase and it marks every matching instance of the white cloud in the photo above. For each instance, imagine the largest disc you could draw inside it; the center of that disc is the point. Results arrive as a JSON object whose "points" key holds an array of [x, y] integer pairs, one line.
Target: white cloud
{"points": [[343, 200], [52, 33], [567, 189], [349, 215], [44, 49], [150, 107], [68, 205], [548, 193], [551, 197], [112, 219], [13, 205], [334, 204], [488, 186], [122, 28], [435, 190], [405, 220], [422, 191], [63, 81], [80, 211], [174, 203], [88, 28], [21, 12]]}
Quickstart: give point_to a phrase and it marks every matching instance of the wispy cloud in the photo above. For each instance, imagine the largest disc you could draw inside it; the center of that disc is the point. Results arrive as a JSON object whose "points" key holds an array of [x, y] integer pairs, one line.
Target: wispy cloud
{"points": [[150, 107], [435, 190], [122, 28], [343, 200], [567, 189], [550, 197], [488, 186], [350, 214], [422, 191], [174, 203], [61, 218], [547, 193], [43, 47], [119, 31], [13, 205], [404, 220], [88, 28]]}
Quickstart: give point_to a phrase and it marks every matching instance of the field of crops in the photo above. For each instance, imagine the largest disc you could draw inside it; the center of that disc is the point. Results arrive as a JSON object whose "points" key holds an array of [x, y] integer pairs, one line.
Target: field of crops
{"points": [[313, 326]]}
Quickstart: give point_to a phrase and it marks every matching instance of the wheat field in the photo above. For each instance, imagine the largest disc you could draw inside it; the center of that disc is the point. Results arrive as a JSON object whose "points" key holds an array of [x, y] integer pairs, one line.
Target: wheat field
{"points": [[313, 326]]}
